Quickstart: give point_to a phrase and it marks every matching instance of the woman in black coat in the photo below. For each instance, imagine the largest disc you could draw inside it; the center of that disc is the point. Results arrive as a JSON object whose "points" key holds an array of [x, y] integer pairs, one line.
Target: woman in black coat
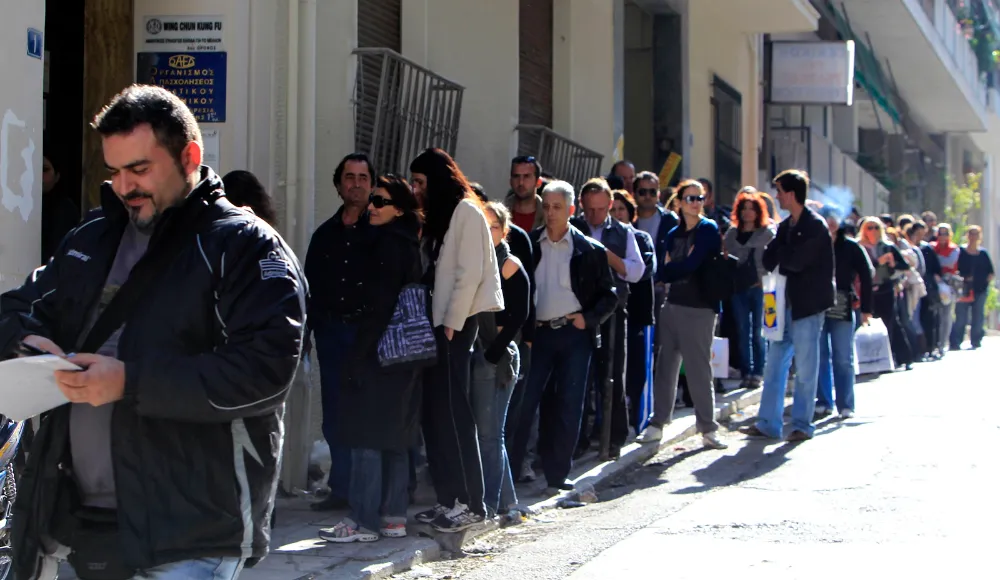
{"points": [[379, 417]]}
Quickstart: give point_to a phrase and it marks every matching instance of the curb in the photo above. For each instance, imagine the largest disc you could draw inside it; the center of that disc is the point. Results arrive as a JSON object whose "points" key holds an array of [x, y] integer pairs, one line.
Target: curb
{"points": [[632, 454]]}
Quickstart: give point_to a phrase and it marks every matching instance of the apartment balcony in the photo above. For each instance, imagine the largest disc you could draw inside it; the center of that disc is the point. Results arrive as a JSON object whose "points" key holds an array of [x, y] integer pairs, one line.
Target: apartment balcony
{"points": [[926, 53], [829, 168], [402, 108], [766, 16]]}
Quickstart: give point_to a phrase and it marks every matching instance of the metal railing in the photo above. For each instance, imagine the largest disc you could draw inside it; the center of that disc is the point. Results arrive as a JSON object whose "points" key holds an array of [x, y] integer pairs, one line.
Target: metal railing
{"points": [[828, 167], [563, 158], [957, 45], [402, 108]]}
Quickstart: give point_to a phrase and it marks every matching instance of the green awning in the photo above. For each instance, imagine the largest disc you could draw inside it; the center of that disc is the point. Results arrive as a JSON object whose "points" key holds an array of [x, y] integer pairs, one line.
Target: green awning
{"points": [[867, 70]]}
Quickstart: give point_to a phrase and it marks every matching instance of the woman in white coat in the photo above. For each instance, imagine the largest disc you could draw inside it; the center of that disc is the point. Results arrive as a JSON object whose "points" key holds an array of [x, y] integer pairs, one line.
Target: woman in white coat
{"points": [[461, 268]]}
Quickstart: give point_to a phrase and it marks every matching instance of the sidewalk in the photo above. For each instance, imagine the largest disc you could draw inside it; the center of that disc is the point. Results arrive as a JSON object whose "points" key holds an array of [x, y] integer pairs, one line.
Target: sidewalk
{"points": [[298, 554]]}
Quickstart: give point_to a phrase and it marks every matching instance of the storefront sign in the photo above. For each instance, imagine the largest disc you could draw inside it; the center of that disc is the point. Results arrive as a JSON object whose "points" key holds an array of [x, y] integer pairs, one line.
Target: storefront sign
{"points": [[190, 33], [199, 79], [820, 73]]}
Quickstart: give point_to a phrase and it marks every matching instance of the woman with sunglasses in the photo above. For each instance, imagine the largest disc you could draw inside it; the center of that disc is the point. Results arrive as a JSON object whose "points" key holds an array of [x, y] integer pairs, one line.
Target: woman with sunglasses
{"points": [[889, 267], [461, 268], [686, 325], [379, 410], [746, 242]]}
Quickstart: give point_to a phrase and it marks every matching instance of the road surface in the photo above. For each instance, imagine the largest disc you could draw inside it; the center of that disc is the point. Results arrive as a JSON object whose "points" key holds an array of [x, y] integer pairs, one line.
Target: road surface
{"points": [[907, 488]]}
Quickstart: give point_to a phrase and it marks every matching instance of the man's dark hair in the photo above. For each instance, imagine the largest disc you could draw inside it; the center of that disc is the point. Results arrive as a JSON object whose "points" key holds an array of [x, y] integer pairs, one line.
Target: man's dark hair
{"points": [[172, 122], [646, 176], [527, 159], [795, 181], [615, 182], [888, 220], [619, 164], [338, 173], [244, 190], [709, 188]]}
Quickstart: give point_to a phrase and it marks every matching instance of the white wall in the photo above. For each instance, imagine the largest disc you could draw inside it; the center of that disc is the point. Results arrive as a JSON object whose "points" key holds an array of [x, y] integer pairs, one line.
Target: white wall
{"points": [[475, 44], [583, 100], [20, 144]]}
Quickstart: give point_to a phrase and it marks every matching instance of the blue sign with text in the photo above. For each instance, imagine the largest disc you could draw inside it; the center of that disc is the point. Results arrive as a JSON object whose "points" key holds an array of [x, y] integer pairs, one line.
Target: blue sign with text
{"points": [[198, 78], [35, 44]]}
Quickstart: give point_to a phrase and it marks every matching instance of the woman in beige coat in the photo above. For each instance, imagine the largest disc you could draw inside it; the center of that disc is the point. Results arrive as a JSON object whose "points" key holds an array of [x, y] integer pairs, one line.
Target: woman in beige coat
{"points": [[461, 268]]}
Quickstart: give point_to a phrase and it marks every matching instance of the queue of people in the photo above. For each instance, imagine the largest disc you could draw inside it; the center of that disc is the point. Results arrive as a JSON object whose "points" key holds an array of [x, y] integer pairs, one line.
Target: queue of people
{"points": [[498, 340]]}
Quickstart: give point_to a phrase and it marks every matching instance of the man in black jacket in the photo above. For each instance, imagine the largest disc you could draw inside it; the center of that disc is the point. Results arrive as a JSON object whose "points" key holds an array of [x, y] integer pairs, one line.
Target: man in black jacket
{"points": [[802, 251], [188, 315], [574, 295]]}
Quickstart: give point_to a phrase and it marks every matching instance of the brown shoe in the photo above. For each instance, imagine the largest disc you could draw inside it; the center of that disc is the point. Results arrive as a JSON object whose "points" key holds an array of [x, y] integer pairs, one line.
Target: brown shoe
{"points": [[753, 431], [798, 437]]}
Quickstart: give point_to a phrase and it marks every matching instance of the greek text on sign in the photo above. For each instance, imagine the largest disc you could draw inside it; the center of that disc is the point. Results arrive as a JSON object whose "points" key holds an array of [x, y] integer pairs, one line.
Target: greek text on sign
{"points": [[812, 73], [199, 79], [191, 33]]}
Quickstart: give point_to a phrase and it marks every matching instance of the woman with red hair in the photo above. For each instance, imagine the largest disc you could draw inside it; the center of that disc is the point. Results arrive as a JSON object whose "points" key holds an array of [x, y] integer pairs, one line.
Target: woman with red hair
{"points": [[746, 241]]}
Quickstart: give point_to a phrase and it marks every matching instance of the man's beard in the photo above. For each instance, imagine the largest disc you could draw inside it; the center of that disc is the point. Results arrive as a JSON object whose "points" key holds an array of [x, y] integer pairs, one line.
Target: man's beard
{"points": [[144, 225], [525, 195]]}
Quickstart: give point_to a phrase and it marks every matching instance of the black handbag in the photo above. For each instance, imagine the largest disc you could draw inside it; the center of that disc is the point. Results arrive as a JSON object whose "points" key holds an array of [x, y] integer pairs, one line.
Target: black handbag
{"points": [[718, 277], [409, 338]]}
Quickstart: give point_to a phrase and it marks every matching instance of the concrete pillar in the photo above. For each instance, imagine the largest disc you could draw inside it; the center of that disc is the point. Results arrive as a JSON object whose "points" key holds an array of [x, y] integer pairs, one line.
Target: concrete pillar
{"points": [[583, 106], [844, 130]]}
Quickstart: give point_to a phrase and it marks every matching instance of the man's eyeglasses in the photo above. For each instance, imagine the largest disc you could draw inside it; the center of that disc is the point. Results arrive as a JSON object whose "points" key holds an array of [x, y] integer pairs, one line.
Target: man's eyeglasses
{"points": [[646, 192], [378, 202], [694, 198]]}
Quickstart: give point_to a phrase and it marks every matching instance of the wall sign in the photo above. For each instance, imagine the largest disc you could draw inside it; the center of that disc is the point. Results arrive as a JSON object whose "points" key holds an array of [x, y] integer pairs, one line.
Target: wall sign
{"points": [[35, 44], [820, 73], [189, 33], [198, 78]]}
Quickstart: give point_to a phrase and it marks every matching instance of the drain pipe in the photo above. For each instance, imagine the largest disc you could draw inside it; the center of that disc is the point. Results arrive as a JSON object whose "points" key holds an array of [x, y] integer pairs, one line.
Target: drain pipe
{"points": [[292, 130], [307, 130]]}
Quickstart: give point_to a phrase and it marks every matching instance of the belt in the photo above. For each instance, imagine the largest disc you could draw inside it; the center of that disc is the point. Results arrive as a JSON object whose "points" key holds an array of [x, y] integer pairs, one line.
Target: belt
{"points": [[555, 323]]}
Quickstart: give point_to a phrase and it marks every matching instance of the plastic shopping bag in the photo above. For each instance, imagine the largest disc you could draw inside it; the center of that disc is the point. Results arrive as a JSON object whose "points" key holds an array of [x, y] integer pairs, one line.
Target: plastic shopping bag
{"points": [[720, 358], [874, 353], [773, 327], [646, 401]]}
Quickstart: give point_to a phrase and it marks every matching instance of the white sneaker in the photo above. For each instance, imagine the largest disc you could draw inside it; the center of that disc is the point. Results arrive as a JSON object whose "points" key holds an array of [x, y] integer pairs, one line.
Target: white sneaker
{"points": [[713, 441], [847, 414], [651, 434]]}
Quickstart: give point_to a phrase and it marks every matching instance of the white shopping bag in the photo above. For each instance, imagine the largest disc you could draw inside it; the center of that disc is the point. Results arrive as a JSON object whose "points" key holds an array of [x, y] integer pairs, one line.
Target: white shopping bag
{"points": [[720, 358], [874, 353], [773, 326]]}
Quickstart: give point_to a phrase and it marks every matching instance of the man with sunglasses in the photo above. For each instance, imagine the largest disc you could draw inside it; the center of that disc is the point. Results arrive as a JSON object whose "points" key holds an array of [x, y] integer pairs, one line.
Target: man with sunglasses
{"points": [[650, 217]]}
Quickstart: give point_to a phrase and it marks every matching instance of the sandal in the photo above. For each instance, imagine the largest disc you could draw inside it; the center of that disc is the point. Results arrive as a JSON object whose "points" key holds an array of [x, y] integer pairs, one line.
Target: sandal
{"points": [[347, 531]]}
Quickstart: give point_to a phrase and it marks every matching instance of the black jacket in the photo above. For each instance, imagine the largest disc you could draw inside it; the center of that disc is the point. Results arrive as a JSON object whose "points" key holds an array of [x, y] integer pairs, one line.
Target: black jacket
{"points": [[804, 253], [668, 221], [209, 358], [641, 295], [932, 269], [59, 215], [590, 276], [379, 408], [521, 248], [852, 262]]}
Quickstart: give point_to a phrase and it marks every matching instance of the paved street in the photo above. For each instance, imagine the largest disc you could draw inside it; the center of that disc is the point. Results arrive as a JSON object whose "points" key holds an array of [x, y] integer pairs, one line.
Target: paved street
{"points": [[906, 487]]}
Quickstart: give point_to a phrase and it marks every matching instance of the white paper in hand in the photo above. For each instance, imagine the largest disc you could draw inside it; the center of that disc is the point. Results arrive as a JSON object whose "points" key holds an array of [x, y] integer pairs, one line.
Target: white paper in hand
{"points": [[28, 385]]}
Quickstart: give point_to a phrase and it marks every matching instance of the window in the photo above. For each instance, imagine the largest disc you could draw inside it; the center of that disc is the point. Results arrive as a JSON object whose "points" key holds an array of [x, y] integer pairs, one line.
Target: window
{"points": [[727, 121]]}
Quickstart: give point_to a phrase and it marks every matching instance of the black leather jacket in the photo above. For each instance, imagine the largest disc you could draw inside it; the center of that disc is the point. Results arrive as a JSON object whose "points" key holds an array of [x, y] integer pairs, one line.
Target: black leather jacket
{"points": [[590, 276], [209, 358]]}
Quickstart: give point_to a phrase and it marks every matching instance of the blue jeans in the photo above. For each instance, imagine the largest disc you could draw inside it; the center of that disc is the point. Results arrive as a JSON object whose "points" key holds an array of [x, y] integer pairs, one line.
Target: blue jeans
{"points": [[963, 311], [748, 310], [836, 368], [564, 355], [800, 340], [490, 394], [202, 569], [379, 482], [334, 340]]}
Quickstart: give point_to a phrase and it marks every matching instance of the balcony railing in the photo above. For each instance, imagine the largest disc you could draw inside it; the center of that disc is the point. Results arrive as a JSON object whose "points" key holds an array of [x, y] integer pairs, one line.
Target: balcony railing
{"points": [[402, 108], [563, 158], [828, 167], [957, 45]]}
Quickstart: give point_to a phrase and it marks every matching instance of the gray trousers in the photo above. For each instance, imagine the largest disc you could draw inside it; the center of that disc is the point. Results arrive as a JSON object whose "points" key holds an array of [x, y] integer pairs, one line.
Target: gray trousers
{"points": [[686, 334]]}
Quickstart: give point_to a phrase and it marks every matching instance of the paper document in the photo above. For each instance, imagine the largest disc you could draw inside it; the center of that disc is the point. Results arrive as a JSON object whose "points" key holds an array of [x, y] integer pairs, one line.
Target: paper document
{"points": [[28, 385]]}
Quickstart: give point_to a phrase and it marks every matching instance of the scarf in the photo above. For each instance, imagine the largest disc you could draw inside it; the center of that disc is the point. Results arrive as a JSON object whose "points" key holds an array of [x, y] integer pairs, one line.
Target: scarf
{"points": [[944, 249]]}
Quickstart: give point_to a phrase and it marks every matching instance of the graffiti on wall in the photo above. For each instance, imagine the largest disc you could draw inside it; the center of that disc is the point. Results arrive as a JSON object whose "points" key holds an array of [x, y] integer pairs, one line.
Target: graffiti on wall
{"points": [[22, 202]]}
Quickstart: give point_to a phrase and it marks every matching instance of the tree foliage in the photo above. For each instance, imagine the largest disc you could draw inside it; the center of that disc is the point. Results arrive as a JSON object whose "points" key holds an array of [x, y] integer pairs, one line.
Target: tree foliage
{"points": [[962, 199]]}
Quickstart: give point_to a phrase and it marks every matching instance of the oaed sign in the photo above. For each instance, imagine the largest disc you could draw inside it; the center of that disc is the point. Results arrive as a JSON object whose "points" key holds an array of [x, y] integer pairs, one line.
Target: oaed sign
{"points": [[812, 73]]}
